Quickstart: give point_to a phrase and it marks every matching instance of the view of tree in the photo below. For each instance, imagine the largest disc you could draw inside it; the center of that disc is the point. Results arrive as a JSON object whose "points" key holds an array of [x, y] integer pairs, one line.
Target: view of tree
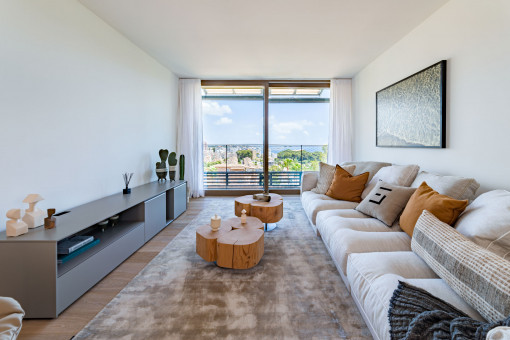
{"points": [[296, 155], [242, 154]]}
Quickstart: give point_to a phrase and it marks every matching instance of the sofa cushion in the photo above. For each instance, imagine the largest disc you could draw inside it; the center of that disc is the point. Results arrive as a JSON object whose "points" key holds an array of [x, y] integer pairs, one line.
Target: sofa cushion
{"points": [[317, 205], [371, 167], [460, 188], [347, 241], [476, 274], [445, 208], [308, 196], [323, 216], [402, 175], [373, 277], [331, 224], [385, 202], [326, 174], [486, 221], [347, 187]]}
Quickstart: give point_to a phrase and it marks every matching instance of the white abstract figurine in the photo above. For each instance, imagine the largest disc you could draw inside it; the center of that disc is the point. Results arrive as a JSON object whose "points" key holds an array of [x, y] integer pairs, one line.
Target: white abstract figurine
{"points": [[33, 217], [15, 227], [215, 222], [243, 216]]}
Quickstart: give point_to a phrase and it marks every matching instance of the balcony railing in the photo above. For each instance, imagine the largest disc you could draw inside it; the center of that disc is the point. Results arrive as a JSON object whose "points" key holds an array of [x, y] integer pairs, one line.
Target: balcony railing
{"points": [[251, 180], [240, 166]]}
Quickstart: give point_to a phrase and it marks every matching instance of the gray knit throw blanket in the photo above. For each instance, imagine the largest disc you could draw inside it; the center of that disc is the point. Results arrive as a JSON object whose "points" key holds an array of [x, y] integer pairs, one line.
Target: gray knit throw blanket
{"points": [[417, 315]]}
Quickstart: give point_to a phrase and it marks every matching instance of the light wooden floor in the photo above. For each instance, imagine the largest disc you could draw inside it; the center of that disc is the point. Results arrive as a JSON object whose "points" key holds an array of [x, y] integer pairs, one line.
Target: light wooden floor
{"points": [[74, 318]]}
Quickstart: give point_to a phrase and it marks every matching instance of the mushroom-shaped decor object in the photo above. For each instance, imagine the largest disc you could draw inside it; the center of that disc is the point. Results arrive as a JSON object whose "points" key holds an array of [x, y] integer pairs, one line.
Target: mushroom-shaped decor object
{"points": [[33, 217]]}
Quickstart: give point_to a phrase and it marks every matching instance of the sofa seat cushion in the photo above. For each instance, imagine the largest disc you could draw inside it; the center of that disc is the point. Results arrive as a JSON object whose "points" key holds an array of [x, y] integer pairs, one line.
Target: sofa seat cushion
{"points": [[328, 226], [322, 216], [347, 241], [373, 277], [317, 205]]}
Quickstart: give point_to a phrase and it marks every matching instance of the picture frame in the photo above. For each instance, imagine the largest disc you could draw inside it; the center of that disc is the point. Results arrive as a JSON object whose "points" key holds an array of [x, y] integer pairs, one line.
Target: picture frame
{"points": [[411, 113]]}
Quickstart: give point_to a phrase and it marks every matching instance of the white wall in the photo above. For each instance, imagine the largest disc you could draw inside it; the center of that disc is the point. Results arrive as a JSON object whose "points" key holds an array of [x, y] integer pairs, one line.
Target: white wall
{"points": [[79, 105], [474, 37]]}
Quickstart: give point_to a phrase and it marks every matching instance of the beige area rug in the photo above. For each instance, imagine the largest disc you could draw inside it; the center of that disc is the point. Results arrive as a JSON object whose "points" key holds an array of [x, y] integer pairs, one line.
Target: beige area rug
{"points": [[295, 292]]}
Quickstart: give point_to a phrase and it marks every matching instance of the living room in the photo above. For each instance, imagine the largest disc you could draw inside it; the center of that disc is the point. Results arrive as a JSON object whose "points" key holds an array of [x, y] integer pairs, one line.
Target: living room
{"points": [[92, 90]]}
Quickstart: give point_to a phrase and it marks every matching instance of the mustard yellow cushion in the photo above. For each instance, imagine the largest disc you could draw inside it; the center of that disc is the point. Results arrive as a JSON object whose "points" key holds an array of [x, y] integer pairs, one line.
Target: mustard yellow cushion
{"points": [[347, 187], [445, 208]]}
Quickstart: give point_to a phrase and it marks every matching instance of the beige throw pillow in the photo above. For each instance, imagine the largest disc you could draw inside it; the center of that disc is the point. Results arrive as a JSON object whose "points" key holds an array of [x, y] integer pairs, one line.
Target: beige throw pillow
{"points": [[326, 174], [486, 222], [385, 202], [402, 175]]}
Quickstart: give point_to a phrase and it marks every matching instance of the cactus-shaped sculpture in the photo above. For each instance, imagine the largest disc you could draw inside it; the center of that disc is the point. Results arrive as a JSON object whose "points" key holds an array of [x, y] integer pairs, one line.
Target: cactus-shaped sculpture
{"points": [[181, 167], [172, 162], [161, 169]]}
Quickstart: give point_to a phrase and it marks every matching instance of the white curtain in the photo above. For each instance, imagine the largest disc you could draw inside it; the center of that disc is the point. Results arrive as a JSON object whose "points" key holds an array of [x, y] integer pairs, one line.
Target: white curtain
{"points": [[340, 122], [189, 134]]}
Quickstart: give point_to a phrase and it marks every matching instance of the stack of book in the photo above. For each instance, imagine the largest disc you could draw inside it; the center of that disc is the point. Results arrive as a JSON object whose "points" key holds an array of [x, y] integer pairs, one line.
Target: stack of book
{"points": [[74, 246]]}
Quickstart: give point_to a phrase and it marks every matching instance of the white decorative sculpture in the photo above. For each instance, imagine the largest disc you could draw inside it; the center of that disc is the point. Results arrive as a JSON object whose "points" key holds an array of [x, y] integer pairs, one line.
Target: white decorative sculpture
{"points": [[243, 216], [15, 227], [215, 222], [33, 217]]}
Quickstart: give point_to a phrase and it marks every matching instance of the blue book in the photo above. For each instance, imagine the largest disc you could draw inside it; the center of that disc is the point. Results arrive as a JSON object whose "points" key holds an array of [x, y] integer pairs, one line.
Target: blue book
{"points": [[73, 243], [64, 258]]}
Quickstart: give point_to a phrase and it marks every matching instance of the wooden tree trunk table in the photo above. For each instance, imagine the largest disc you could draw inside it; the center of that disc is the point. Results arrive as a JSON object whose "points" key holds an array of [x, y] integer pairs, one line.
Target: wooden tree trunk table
{"points": [[241, 247], [206, 241], [267, 212]]}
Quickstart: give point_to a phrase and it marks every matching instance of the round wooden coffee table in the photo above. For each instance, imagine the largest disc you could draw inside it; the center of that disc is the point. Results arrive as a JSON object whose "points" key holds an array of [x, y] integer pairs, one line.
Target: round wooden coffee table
{"points": [[267, 212], [241, 247]]}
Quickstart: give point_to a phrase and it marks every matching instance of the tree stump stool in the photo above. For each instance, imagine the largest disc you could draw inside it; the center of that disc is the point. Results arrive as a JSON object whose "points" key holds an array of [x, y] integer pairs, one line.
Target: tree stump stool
{"points": [[240, 248], [267, 212], [206, 241], [234, 245], [251, 223]]}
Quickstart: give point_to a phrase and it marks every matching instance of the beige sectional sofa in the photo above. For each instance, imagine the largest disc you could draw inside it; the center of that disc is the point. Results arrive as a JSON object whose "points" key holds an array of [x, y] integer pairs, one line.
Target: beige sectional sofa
{"points": [[372, 257]]}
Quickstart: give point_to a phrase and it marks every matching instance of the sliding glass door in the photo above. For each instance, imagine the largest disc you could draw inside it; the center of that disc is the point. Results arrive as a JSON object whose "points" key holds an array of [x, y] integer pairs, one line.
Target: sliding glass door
{"points": [[233, 120], [263, 136]]}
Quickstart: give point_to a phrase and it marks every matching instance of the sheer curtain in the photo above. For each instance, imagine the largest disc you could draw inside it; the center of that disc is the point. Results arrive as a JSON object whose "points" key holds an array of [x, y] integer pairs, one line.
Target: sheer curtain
{"points": [[189, 134], [340, 126]]}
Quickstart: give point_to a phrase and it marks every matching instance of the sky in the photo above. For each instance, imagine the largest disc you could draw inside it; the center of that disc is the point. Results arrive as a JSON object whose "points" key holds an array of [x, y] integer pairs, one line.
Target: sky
{"points": [[241, 122]]}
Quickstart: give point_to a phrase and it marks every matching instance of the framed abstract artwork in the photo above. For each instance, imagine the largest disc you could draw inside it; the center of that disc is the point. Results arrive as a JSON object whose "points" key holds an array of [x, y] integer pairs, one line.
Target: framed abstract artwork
{"points": [[412, 112]]}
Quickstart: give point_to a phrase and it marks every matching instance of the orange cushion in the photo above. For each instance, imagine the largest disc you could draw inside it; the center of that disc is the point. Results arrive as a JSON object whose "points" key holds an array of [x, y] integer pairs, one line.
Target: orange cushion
{"points": [[347, 187], [445, 208]]}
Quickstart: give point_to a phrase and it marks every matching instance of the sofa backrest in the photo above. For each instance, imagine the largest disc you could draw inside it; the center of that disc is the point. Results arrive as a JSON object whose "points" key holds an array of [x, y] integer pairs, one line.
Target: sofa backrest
{"points": [[371, 167], [457, 187]]}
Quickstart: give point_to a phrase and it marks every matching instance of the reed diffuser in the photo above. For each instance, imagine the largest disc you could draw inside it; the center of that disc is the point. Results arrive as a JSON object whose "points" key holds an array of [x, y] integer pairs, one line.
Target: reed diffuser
{"points": [[127, 179]]}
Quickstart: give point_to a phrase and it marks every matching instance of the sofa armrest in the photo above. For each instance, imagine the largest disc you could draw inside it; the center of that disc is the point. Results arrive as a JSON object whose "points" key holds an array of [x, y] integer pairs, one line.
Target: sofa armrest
{"points": [[11, 316], [309, 180]]}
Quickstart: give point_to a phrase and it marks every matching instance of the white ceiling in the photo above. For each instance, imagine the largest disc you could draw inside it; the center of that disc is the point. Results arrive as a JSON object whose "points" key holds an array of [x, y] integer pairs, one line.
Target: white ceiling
{"points": [[264, 39]]}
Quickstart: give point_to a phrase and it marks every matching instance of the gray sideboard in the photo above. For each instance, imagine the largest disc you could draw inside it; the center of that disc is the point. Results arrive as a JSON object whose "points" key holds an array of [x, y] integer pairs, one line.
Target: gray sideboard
{"points": [[29, 269]]}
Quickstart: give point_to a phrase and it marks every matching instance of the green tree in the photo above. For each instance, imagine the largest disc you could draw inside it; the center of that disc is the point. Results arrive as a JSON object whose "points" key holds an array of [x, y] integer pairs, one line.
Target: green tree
{"points": [[242, 154]]}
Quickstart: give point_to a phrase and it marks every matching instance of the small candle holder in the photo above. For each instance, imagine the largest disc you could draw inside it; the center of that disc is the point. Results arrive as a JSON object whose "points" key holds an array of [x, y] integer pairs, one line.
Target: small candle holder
{"points": [[215, 222]]}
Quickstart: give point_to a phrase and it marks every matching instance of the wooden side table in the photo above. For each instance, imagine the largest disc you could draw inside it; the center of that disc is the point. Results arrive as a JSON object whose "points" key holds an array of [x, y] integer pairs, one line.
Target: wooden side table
{"points": [[207, 241], [241, 247], [267, 212]]}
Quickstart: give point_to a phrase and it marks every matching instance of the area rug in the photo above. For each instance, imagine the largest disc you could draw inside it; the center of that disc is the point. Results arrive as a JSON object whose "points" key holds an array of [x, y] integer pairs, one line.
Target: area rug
{"points": [[295, 292]]}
